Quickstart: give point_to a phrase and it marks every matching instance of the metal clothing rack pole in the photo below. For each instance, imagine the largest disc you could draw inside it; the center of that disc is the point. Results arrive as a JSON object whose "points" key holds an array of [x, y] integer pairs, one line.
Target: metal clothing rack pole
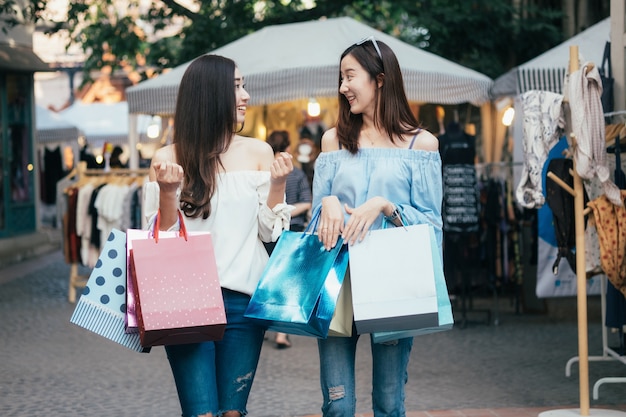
{"points": [[581, 278]]}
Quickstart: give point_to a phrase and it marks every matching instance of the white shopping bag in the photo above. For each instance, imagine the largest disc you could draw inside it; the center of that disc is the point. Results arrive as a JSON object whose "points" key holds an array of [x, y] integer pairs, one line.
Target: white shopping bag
{"points": [[393, 280]]}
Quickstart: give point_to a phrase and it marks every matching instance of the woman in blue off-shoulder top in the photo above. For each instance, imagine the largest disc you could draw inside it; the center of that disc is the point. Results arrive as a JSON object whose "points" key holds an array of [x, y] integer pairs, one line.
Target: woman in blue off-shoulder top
{"points": [[376, 164]]}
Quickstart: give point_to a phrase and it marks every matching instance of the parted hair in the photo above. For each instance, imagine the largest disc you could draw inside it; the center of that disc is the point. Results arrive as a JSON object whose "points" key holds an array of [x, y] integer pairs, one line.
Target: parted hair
{"points": [[204, 126], [393, 113]]}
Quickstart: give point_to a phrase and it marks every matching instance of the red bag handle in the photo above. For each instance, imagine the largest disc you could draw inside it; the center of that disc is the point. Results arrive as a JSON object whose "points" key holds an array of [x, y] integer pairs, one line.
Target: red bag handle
{"points": [[157, 223]]}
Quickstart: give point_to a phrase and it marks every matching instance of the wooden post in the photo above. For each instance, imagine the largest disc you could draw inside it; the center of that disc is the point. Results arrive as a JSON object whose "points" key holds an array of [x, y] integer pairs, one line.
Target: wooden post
{"points": [[581, 275]]}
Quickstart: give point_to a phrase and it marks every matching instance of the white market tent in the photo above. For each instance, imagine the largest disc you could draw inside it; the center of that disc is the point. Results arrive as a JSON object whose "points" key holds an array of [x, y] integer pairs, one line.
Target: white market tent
{"points": [[102, 122], [296, 60], [50, 127], [546, 72]]}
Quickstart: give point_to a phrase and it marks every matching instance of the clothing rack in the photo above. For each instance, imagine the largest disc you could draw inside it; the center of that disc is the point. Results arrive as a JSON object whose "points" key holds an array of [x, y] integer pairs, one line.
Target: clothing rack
{"points": [[608, 353], [76, 280], [581, 276]]}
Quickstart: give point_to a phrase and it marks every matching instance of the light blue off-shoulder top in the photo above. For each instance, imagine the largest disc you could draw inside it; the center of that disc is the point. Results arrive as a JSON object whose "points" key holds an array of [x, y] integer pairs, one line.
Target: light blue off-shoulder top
{"points": [[409, 178]]}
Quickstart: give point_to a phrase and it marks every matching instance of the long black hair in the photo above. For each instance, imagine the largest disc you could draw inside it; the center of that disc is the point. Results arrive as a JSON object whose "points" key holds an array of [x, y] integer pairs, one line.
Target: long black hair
{"points": [[204, 125]]}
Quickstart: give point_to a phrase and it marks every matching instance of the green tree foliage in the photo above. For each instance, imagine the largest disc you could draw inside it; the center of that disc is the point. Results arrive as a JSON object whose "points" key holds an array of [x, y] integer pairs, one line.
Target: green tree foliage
{"points": [[490, 36]]}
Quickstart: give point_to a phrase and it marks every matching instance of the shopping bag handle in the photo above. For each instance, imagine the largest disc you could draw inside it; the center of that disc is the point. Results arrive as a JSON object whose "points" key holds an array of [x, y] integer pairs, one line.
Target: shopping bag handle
{"points": [[315, 218], [402, 222], [182, 232]]}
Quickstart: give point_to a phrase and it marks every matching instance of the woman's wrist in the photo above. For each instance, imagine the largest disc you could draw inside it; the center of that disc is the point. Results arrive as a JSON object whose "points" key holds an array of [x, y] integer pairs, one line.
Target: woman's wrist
{"points": [[394, 216], [392, 213], [388, 208]]}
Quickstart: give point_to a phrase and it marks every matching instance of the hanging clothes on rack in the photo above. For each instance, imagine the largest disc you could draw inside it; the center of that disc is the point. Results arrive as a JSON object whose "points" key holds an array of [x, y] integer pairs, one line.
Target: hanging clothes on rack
{"points": [[615, 305], [99, 201], [588, 128], [543, 126], [562, 205]]}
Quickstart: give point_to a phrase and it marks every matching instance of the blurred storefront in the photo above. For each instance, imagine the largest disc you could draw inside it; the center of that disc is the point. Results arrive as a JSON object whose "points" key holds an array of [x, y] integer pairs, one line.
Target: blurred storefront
{"points": [[18, 182], [19, 234]]}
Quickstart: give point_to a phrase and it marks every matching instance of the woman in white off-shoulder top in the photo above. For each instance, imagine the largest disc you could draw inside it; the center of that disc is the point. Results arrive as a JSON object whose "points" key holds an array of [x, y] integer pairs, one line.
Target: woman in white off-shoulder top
{"points": [[233, 187]]}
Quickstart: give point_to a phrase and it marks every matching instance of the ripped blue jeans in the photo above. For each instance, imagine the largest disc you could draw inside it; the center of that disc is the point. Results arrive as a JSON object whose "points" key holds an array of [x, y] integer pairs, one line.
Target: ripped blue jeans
{"points": [[217, 376], [389, 375]]}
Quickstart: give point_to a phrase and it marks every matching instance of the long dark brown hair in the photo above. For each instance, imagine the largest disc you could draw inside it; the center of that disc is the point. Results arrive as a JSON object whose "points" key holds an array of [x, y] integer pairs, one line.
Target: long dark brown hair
{"points": [[392, 111], [204, 126]]}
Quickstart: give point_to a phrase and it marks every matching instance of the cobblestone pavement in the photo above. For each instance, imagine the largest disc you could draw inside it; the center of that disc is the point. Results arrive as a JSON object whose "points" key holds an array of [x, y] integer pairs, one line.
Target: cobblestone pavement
{"points": [[50, 367]]}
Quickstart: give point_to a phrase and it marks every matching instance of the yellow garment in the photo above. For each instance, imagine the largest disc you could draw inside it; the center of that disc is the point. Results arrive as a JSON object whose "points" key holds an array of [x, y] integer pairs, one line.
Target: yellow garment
{"points": [[610, 221]]}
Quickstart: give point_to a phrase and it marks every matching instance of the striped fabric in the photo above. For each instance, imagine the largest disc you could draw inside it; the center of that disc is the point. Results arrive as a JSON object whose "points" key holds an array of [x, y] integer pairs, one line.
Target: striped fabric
{"points": [[67, 134], [434, 87], [294, 84], [158, 101], [545, 79], [92, 316]]}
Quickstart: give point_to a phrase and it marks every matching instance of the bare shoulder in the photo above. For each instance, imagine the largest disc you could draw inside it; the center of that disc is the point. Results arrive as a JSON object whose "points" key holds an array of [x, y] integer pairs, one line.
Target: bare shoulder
{"points": [[255, 146], [330, 142], [426, 141], [248, 153]]}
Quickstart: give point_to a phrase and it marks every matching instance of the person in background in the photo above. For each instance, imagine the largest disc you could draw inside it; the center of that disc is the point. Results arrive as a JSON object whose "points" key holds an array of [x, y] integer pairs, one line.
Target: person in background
{"points": [[114, 161], [233, 187], [298, 193], [377, 165], [306, 153]]}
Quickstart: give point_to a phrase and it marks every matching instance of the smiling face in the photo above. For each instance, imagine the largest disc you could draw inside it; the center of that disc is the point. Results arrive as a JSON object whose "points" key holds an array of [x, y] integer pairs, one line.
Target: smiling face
{"points": [[357, 86], [241, 97]]}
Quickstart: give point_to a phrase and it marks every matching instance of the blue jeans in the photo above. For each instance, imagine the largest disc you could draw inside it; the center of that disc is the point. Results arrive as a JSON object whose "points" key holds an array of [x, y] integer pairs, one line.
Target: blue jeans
{"points": [[337, 362], [217, 376]]}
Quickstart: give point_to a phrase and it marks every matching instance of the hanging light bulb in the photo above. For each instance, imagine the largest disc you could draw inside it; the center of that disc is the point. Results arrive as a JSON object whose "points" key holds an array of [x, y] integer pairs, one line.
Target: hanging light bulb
{"points": [[313, 108], [507, 117], [154, 128]]}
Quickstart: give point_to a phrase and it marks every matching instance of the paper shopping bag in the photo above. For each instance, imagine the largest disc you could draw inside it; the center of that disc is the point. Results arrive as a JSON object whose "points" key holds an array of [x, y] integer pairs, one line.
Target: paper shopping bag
{"points": [[300, 284], [130, 319], [178, 294], [393, 280], [341, 323], [446, 319], [102, 305]]}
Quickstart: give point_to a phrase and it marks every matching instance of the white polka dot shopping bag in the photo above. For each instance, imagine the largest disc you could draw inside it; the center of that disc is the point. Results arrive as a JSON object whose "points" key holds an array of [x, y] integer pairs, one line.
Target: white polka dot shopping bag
{"points": [[102, 305]]}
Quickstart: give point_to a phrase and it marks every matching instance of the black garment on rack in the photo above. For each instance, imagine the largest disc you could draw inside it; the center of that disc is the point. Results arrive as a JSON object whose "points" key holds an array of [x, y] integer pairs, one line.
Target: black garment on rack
{"points": [[606, 76], [460, 210], [562, 205], [93, 211], [53, 172]]}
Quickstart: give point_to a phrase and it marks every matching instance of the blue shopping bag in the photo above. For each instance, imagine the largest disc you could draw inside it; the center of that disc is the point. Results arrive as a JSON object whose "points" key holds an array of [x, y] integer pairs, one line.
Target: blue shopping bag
{"points": [[298, 290]]}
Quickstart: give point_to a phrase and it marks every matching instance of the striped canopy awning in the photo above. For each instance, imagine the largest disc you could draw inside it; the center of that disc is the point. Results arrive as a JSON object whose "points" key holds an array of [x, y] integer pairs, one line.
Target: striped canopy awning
{"points": [[547, 71], [547, 79], [50, 127], [299, 60]]}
